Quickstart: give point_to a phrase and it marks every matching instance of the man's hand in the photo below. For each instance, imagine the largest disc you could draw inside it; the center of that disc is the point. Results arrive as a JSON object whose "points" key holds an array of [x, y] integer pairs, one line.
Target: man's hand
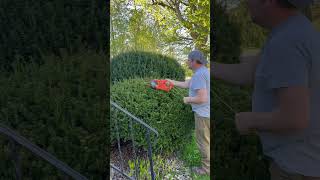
{"points": [[186, 100], [243, 124], [171, 81], [292, 115]]}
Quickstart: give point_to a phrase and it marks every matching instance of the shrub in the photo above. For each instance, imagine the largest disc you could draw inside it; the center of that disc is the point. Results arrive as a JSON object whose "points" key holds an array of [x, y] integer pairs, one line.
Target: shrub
{"points": [[31, 28], [235, 156], [163, 111], [144, 64], [61, 107]]}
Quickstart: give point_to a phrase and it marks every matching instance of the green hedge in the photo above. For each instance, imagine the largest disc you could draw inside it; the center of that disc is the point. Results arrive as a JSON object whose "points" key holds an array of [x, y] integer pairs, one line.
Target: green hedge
{"points": [[163, 111], [145, 64], [61, 107], [235, 156], [30, 28]]}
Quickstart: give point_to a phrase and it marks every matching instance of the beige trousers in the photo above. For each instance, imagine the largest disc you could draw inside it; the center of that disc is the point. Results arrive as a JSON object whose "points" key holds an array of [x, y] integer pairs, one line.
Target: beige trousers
{"points": [[278, 174], [202, 130]]}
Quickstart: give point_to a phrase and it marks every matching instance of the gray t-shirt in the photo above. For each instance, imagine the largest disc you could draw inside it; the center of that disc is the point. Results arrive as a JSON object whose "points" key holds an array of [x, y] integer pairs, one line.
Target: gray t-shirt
{"points": [[200, 80], [291, 57]]}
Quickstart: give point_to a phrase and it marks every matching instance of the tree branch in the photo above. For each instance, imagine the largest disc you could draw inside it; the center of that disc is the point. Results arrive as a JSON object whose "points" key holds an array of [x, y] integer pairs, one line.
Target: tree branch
{"points": [[175, 8], [179, 16], [184, 3], [184, 38], [160, 3]]}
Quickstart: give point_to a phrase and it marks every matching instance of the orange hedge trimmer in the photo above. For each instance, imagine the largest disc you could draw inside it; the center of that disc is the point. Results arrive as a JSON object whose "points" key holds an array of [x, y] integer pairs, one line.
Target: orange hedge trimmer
{"points": [[162, 84]]}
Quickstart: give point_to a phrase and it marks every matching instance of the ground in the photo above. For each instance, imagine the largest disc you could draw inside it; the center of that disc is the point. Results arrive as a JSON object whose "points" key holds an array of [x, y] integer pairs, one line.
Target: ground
{"points": [[174, 166]]}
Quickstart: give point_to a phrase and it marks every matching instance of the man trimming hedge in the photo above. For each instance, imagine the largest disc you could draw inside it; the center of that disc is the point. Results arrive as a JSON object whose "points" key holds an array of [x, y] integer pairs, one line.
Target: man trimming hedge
{"points": [[199, 98], [286, 97]]}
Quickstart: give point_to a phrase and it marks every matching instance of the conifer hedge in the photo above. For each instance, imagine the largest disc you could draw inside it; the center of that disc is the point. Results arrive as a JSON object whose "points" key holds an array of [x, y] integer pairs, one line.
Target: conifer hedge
{"points": [[163, 111], [61, 107], [235, 156], [31, 28]]}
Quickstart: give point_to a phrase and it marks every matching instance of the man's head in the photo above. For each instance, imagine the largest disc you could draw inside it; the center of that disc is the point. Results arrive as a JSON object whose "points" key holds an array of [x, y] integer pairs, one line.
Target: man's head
{"points": [[268, 13], [196, 59]]}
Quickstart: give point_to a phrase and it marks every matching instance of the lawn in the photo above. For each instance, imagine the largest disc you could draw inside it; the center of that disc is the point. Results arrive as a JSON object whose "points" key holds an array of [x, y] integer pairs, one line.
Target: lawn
{"points": [[191, 156]]}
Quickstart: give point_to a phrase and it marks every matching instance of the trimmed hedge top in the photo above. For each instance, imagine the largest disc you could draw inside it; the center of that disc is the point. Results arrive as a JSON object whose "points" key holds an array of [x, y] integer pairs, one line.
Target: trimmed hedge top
{"points": [[137, 64], [32, 28]]}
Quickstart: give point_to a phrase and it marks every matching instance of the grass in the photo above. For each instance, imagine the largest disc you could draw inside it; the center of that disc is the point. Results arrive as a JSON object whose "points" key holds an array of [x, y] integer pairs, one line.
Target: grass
{"points": [[191, 156]]}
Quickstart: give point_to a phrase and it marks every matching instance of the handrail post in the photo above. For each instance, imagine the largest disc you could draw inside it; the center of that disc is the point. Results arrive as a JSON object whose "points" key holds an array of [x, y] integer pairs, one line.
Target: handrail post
{"points": [[15, 156], [149, 149], [150, 155]]}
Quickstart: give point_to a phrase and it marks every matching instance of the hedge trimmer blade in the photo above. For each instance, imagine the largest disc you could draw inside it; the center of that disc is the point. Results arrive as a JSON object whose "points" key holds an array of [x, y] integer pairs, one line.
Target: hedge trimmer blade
{"points": [[161, 84]]}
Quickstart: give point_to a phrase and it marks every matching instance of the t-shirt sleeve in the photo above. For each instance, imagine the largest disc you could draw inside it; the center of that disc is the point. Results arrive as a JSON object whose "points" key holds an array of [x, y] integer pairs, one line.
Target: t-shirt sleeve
{"points": [[288, 65], [198, 82]]}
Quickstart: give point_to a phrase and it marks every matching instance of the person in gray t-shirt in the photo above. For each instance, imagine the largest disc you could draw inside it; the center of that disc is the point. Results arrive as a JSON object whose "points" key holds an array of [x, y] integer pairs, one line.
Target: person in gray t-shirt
{"points": [[286, 98], [199, 99]]}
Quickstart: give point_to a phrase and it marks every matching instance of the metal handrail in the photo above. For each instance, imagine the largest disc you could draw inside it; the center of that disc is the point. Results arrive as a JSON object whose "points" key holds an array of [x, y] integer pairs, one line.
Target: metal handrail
{"points": [[149, 128], [18, 139], [134, 117], [119, 171]]}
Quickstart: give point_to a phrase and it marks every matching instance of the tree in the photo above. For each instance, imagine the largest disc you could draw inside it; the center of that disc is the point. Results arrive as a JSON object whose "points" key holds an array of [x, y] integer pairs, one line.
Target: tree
{"points": [[184, 22], [131, 29], [118, 26]]}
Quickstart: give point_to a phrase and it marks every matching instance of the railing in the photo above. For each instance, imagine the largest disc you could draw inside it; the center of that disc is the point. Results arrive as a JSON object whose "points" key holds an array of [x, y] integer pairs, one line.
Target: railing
{"points": [[148, 129], [16, 140]]}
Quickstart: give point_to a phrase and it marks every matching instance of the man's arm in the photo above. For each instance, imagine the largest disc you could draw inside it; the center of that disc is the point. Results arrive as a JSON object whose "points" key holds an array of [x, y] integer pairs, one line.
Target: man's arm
{"points": [[200, 98], [181, 84], [291, 116], [240, 74]]}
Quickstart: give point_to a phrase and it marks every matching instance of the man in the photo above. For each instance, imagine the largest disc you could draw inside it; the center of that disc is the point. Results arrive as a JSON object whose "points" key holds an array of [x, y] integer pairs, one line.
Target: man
{"points": [[286, 97], [199, 98]]}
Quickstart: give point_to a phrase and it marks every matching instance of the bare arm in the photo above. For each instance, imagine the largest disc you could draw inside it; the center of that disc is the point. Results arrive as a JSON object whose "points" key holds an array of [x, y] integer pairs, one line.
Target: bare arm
{"points": [[181, 84], [240, 74]]}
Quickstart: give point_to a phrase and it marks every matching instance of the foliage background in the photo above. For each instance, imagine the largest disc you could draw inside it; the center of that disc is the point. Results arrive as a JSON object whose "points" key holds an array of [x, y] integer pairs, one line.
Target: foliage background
{"points": [[31, 28], [173, 28], [53, 67]]}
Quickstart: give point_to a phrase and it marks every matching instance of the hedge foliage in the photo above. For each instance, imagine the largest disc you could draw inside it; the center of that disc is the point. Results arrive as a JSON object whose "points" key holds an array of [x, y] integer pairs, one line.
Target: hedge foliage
{"points": [[235, 156], [163, 111], [31, 28], [60, 106], [137, 64]]}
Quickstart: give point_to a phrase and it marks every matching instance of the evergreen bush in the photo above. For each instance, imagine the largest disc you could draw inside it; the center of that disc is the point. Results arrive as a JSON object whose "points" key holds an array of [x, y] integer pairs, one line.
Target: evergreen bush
{"points": [[163, 111], [235, 156], [137, 64], [61, 107], [31, 28]]}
